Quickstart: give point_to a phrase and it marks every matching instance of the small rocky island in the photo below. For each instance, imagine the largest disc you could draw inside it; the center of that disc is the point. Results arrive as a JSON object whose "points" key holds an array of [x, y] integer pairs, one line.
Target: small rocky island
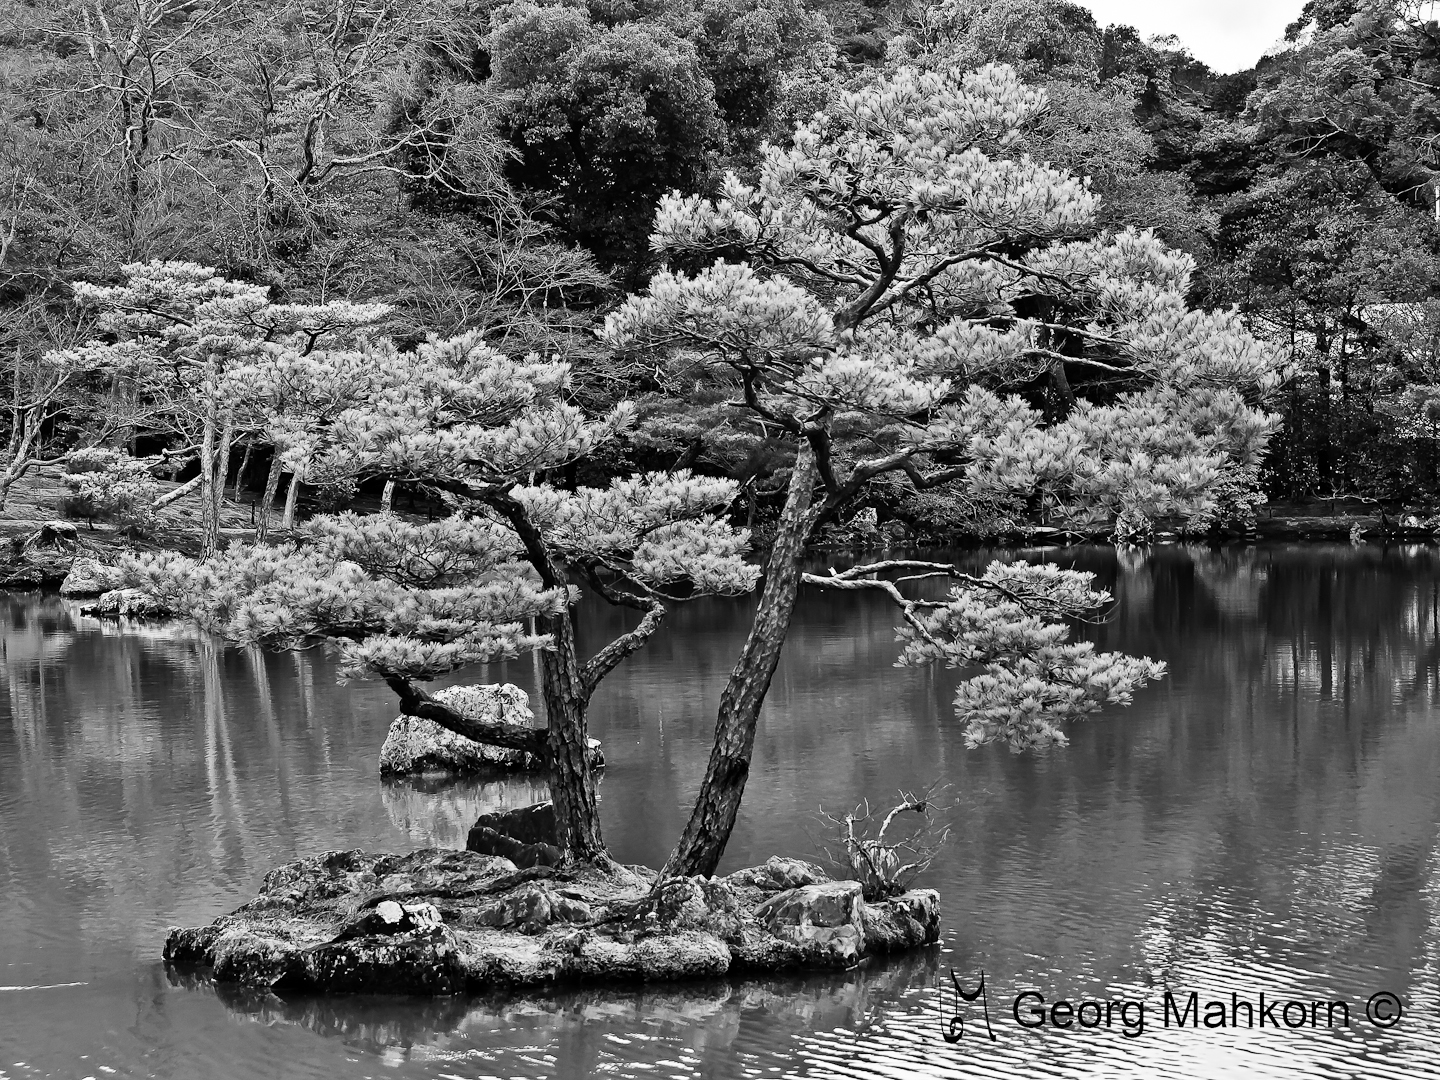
{"points": [[446, 922], [511, 911]]}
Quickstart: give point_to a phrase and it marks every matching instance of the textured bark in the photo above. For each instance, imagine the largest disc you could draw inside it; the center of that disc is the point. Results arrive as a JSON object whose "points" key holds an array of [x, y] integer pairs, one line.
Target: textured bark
{"points": [[209, 523], [178, 493], [222, 469], [18, 454], [244, 468], [572, 782], [267, 500], [713, 818], [287, 520], [387, 497]]}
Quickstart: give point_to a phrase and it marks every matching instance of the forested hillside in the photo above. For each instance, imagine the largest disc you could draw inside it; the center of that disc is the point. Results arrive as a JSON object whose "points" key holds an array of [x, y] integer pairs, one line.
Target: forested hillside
{"points": [[441, 167]]}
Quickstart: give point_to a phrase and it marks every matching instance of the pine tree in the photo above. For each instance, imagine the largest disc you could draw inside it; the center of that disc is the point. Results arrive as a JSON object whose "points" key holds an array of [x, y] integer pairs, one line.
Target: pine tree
{"points": [[910, 303], [406, 602], [193, 344]]}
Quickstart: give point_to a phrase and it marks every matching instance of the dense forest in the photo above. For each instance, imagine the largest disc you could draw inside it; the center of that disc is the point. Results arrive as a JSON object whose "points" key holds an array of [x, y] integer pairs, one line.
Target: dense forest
{"points": [[495, 169]]}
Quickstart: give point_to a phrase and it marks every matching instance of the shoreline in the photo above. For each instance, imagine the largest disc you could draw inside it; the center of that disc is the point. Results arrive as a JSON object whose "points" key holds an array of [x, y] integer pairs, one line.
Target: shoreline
{"points": [[46, 570]]}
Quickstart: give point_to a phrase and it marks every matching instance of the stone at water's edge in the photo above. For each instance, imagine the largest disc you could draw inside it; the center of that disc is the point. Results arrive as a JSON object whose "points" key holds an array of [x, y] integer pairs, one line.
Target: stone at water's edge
{"points": [[27, 565], [527, 836], [415, 746], [442, 922], [89, 577], [129, 603]]}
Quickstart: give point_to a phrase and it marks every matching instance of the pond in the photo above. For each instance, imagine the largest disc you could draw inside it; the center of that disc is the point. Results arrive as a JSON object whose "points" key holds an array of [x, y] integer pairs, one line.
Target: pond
{"points": [[1264, 821]]}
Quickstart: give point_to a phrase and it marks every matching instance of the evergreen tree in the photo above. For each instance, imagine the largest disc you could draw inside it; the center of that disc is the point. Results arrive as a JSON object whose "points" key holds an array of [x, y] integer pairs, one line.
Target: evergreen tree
{"points": [[902, 268], [406, 602]]}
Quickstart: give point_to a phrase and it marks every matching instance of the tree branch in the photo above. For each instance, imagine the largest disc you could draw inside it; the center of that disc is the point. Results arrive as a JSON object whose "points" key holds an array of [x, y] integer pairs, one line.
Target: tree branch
{"points": [[604, 661], [907, 607], [179, 492], [416, 702]]}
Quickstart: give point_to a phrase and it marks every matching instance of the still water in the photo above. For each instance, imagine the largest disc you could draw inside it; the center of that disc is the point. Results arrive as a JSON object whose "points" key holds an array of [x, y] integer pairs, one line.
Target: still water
{"points": [[1263, 821]]}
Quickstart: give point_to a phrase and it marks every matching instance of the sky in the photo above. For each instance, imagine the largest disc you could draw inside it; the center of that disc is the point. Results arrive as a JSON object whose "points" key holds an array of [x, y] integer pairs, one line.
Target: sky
{"points": [[1228, 35]]}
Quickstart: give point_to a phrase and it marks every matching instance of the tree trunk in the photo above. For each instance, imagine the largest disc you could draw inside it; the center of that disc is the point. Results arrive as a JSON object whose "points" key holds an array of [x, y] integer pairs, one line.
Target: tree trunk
{"points": [[387, 497], [244, 467], [18, 459], [287, 520], [7, 480], [713, 818], [572, 781], [1064, 395], [222, 470], [267, 500], [209, 525]]}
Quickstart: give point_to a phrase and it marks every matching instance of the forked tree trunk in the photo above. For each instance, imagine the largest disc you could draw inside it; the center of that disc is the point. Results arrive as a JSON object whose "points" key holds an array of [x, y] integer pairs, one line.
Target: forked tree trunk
{"points": [[713, 818], [18, 459]]}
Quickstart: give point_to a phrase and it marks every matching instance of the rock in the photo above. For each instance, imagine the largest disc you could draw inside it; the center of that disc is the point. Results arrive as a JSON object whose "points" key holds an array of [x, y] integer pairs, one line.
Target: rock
{"points": [[426, 963], [533, 824], [723, 1006], [823, 920], [443, 922], [831, 903], [416, 746], [27, 565], [526, 836], [494, 703], [390, 917], [778, 873], [903, 922], [127, 603], [88, 577], [489, 842]]}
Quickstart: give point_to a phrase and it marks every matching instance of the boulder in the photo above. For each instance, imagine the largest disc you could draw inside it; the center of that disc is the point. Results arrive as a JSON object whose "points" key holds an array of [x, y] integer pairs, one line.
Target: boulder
{"points": [[29, 564], [390, 917], [127, 603], [89, 577], [533, 824], [526, 837], [823, 920], [903, 922], [414, 746], [777, 874]]}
